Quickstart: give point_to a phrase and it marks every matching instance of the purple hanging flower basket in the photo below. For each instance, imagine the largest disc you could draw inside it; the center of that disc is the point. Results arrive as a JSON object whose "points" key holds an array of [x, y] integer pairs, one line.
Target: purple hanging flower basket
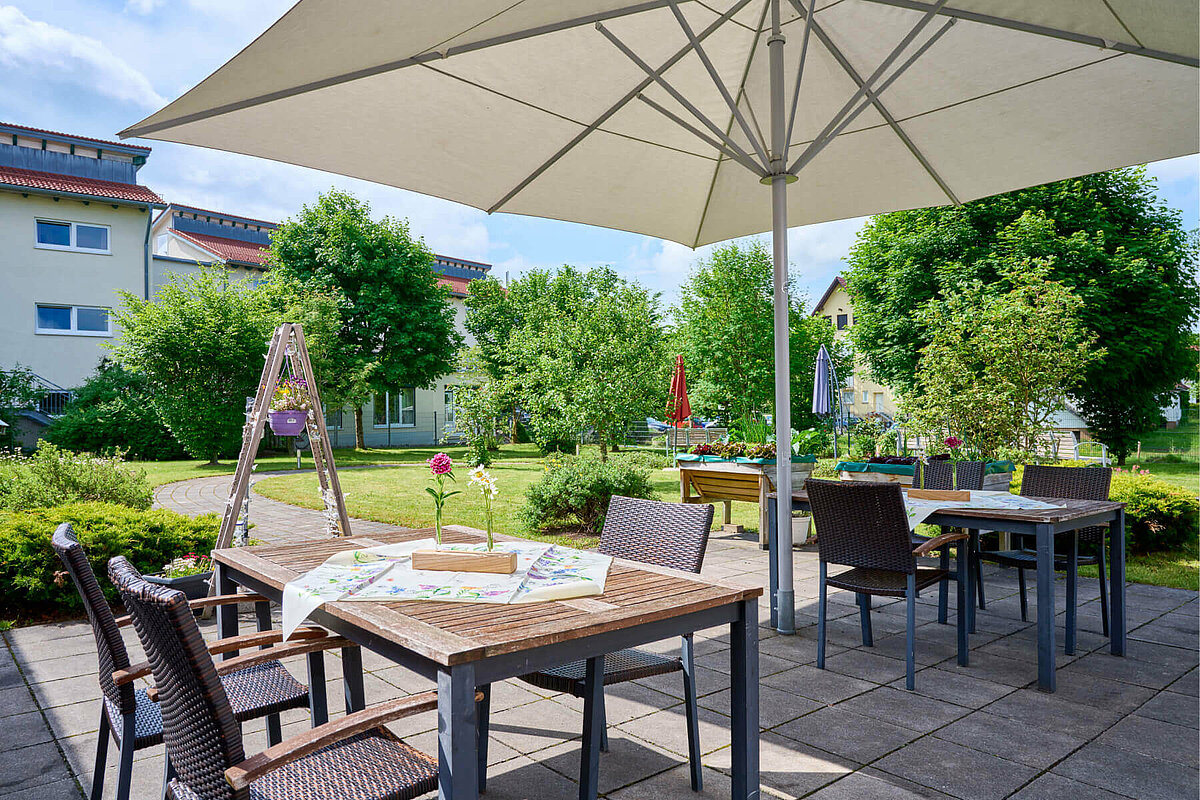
{"points": [[288, 423]]}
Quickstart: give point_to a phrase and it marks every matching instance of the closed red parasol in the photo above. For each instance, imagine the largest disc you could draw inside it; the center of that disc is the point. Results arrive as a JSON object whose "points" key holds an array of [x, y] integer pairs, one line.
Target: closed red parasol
{"points": [[678, 407]]}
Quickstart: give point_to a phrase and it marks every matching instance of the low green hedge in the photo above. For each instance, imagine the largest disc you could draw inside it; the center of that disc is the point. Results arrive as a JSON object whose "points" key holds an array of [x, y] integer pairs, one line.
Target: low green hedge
{"points": [[53, 476], [578, 490], [32, 578]]}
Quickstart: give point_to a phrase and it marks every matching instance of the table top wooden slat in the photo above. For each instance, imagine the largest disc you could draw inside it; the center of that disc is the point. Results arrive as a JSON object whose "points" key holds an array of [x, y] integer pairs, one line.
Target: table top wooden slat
{"points": [[452, 633], [1064, 510]]}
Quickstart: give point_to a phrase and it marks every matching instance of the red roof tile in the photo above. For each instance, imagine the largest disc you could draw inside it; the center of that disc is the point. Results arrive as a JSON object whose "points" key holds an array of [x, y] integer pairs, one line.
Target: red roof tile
{"points": [[53, 182], [45, 132], [227, 249], [458, 286]]}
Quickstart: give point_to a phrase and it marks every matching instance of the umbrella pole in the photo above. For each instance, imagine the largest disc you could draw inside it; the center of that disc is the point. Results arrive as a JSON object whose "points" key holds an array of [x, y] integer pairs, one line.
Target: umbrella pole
{"points": [[779, 179]]}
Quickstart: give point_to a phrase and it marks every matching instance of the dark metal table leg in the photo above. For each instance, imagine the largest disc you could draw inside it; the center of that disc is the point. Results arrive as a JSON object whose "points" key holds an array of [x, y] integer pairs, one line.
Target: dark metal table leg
{"points": [[227, 619], [973, 567], [352, 679], [963, 569], [743, 670], [318, 700], [1045, 607], [593, 720], [262, 618], [457, 734], [1116, 585], [1072, 592], [484, 710]]}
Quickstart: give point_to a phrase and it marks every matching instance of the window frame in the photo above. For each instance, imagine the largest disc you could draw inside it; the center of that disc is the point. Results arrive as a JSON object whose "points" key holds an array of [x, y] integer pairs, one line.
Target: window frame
{"points": [[390, 399], [843, 322], [74, 329], [73, 247]]}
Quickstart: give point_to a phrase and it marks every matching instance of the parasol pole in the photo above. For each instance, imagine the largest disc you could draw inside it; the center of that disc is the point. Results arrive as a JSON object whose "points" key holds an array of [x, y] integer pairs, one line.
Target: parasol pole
{"points": [[778, 181]]}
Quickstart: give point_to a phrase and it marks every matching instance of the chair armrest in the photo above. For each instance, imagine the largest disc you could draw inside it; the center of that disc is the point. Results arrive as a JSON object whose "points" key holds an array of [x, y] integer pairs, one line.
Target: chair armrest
{"points": [[281, 651], [131, 673], [226, 599], [249, 640], [242, 775], [123, 621], [938, 542]]}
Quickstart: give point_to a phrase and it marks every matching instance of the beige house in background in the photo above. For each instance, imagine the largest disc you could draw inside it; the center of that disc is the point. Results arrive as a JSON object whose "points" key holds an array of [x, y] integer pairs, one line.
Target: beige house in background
{"points": [[860, 394]]}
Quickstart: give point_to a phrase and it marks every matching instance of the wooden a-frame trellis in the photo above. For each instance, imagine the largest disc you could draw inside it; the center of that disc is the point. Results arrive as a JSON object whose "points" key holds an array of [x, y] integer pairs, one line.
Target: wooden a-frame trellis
{"points": [[287, 343]]}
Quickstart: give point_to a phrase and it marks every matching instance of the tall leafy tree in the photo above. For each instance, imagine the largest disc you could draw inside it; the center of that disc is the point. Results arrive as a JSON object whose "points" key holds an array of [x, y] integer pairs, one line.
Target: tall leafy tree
{"points": [[1106, 237], [18, 391], [577, 350], [200, 346], [397, 324], [725, 329]]}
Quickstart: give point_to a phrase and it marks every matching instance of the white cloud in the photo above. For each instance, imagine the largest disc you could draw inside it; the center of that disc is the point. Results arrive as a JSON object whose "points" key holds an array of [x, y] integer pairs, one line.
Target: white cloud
{"points": [[46, 51], [143, 6]]}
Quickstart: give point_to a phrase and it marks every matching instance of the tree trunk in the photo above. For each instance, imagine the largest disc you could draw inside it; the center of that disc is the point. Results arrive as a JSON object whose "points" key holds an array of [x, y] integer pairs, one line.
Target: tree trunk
{"points": [[360, 440], [1121, 459], [603, 446], [212, 462]]}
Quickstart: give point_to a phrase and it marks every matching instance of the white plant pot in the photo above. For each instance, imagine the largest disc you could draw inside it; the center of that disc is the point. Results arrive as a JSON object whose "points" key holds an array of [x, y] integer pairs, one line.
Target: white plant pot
{"points": [[801, 529]]}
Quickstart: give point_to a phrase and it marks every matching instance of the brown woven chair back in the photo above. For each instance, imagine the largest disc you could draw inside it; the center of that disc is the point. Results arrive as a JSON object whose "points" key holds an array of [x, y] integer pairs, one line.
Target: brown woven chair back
{"points": [[939, 475], [199, 728], [861, 524], [664, 534], [1069, 483], [110, 647], [969, 474]]}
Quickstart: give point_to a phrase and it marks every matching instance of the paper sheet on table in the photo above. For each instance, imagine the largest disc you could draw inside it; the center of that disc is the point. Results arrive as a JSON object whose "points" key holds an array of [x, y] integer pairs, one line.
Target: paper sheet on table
{"points": [[544, 572], [919, 510]]}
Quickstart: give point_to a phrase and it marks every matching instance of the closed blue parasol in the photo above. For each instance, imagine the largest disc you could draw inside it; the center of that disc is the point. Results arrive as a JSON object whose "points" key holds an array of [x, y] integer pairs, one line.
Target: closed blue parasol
{"points": [[822, 401]]}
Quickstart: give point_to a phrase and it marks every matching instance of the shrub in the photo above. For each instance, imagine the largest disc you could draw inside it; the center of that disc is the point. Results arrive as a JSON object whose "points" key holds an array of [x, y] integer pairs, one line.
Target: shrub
{"points": [[578, 490], [32, 577], [114, 410], [54, 477], [1158, 515]]}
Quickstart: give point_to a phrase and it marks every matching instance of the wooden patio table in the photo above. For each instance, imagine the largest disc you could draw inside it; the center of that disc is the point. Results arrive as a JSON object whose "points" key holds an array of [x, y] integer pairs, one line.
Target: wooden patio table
{"points": [[1068, 517], [467, 646]]}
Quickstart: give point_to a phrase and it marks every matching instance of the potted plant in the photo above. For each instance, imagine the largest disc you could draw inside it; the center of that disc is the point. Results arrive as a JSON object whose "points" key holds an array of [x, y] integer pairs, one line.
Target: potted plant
{"points": [[189, 574], [290, 407]]}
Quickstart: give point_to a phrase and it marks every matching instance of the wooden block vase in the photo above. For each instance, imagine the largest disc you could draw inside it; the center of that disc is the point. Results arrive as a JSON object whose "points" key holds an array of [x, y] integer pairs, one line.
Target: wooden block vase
{"points": [[465, 561], [950, 495]]}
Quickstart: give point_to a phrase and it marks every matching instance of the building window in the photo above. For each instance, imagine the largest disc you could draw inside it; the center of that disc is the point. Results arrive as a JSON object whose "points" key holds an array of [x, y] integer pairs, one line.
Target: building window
{"points": [[450, 408], [333, 420], [396, 409], [829, 319], [866, 396], [84, 238], [843, 321], [74, 320]]}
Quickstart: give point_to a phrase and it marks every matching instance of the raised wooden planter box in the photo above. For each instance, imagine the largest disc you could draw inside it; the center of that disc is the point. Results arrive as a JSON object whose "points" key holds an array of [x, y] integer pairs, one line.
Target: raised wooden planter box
{"points": [[465, 561], [726, 481], [877, 477]]}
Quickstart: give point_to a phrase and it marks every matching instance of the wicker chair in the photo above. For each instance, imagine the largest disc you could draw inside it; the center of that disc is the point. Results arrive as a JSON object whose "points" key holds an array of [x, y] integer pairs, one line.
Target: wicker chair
{"points": [[352, 758], [864, 526], [1070, 483], [944, 475], [666, 535], [128, 713]]}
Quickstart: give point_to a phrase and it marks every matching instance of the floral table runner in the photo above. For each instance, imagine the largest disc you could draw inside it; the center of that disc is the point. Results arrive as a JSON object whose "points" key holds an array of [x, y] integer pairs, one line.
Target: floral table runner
{"points": [[544, 572], [919, 510]]}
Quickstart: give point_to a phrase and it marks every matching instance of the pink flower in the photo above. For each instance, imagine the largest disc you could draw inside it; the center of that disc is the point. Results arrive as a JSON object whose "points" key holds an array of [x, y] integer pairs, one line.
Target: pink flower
{"points": [[953, 442], [441, 464]]}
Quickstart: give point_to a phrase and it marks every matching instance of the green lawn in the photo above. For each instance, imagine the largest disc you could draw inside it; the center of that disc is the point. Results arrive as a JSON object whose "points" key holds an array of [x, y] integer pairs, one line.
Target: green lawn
{"points": [[160, 472], [1180, 473]]}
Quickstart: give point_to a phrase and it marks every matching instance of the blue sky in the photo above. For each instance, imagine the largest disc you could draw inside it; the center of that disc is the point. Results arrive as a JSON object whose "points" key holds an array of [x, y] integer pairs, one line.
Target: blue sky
{"points": [[92, 67]]}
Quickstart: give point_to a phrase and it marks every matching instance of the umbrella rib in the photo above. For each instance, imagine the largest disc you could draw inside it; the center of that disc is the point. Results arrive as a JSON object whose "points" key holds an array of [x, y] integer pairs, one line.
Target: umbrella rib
{"points": [[391, 66], [849, 69], [614, 108], [741, 158], [656, 76], [720, 84], [828, 135], [1053, 33], [741, 95], [799, 77]]}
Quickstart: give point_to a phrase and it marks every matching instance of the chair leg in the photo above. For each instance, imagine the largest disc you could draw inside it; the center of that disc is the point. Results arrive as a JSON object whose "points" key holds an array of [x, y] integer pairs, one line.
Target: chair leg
{"points": [[602, 711], [962, 584], [168, 775], [274, 730], [1024, 598], [911, 634], [125, 759], [318, 700], [821, 593], [1072, 594], [693, 712], [483, 713], [1102, 568], [101, 755], [943, 589], [262, 617], [864, 616], [979, 580]]}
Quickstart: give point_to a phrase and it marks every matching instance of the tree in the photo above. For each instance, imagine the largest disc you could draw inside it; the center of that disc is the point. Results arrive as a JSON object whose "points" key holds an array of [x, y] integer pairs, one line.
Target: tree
{"points": [[585, 350], [477, 409], [18, 391], [1000, 363], [726, 333], [114, 411], [200, 345], [1105, 237], [397, 324]]}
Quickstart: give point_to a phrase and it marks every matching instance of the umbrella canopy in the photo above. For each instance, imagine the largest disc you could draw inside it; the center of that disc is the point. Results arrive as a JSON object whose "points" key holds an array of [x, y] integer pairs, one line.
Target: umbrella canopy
{"points": [[822, 402], [664, 117], [545, 107], [679, 408]]}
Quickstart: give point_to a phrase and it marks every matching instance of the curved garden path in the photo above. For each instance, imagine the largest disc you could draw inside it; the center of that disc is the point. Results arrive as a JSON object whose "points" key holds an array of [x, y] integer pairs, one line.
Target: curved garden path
{"points": [[274, 522]]}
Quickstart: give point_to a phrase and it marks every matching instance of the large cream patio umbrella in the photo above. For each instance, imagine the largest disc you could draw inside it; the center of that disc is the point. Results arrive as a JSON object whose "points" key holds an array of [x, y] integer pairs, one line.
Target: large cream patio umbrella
{"points": [[667, 117]]}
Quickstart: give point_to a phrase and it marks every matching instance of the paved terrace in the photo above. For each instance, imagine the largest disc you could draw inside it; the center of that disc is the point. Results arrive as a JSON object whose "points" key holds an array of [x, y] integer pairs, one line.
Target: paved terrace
{"points": [[1115, 728]]}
